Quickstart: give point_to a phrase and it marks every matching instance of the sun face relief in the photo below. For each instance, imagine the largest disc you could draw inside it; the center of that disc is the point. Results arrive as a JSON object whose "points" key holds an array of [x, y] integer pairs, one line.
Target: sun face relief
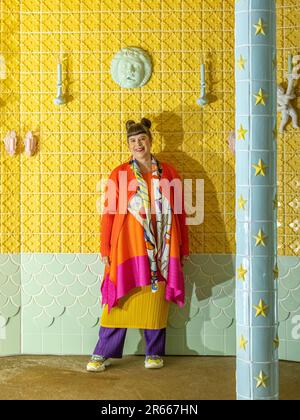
{"points": [[131, 68]]}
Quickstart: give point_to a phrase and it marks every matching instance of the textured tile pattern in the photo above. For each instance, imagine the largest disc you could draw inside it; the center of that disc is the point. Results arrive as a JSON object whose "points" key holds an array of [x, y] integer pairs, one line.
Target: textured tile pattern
{"points": [[48, 203], [60, 297]]}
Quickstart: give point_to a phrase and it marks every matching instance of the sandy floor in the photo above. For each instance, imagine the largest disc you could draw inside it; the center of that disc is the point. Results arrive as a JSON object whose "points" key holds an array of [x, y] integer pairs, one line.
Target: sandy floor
{"points": [[199, 378]]}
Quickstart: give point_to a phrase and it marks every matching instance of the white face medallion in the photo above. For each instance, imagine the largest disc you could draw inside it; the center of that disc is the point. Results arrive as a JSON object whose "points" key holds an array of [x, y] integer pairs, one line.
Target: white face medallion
{"points": [[131, 68]]}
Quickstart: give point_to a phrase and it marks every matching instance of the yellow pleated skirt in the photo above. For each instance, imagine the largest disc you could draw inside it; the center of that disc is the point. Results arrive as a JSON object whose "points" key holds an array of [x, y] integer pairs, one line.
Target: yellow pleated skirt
{"points": [[139, 309]]}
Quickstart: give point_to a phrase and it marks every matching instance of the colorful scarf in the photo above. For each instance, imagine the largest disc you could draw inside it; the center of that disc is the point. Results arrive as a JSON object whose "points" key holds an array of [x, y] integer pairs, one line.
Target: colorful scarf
{"points": [[140, 207]]}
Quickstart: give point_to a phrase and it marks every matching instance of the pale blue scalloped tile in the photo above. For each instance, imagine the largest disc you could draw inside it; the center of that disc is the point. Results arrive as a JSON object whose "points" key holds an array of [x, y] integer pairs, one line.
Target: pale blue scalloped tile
{"points": [[44, 299], [77, 289], [88, 278], [293, 350], [44, 320], [293, 280], [44, 277], [214, 344], [66, 299], [290, 304], [77, 267], [8, 266], [33, 288], [9, 288], [55, 310], [66, 278], [32, 344], [71, 343], [52, 344], [9, 310], [31, 264], [76, 310], [89, 343], [55, 289], [66, 259], [70, 325]]}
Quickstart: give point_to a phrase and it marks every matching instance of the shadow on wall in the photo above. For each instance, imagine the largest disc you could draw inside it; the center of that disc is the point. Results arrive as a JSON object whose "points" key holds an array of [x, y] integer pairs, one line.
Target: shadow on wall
{"points": [[206, 324]]}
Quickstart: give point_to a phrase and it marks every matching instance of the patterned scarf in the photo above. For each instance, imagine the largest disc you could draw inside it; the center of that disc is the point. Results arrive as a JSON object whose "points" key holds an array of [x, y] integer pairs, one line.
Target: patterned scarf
{"points": [[140, 207]]}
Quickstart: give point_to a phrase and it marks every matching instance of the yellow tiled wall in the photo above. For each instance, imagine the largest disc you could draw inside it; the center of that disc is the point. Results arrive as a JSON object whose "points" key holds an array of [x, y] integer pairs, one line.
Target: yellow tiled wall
{"points": [[48, 202]]}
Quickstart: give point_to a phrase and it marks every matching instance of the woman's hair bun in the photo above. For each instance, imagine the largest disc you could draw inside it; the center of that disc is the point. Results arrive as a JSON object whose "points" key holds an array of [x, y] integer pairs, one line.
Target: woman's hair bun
{"points": [[147, 123], [129, 124]]}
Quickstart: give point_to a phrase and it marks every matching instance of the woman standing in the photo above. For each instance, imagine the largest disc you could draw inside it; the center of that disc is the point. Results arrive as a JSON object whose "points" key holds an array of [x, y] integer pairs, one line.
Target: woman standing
{"points": [[144, 242]]}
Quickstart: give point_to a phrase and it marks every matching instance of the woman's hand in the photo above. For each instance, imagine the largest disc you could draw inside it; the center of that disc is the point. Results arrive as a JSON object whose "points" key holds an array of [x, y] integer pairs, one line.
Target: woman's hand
{"points": [[106, 261], [183, 260]]}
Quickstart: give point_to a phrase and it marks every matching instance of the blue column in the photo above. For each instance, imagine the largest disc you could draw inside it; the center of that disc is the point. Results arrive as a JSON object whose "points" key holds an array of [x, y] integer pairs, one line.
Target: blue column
{"points": [[256, 201]]}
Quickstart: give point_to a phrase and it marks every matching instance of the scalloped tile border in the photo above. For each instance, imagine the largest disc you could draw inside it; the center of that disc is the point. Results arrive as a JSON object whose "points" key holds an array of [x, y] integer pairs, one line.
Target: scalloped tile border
{"points": [[50, 304]]}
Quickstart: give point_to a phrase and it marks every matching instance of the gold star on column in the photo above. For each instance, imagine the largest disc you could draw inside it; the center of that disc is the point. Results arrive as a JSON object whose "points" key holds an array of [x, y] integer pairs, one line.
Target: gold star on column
{"points": [[261, 380], [242, 273], [243, 343], [260, 97], [241, 63], [260, 168], [275, 202], [242, 133], [242, 202], [262, 309], [276, 272], [276, 342], [260, 27], [260, 238]]}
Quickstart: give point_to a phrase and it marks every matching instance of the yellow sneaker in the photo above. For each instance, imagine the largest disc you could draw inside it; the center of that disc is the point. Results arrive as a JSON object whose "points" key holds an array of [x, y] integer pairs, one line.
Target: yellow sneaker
{"points": [[154, 362], [97, 364]]}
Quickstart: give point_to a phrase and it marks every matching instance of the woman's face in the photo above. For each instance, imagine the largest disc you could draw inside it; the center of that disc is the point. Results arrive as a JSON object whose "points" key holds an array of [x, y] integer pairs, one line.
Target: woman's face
{"points": [[140, 146]]}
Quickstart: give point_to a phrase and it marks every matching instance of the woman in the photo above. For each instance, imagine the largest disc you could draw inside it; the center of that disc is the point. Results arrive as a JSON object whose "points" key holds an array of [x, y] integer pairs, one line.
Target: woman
{"points": [[144, 243]]}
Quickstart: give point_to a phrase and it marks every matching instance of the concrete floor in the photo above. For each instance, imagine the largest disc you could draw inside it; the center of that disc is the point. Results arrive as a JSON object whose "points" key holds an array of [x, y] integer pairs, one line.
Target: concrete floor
{"points": [[186, 378]]}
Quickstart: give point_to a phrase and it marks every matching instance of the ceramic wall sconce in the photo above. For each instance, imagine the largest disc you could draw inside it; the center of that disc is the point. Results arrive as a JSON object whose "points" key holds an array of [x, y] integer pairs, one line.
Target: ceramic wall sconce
{"points": [[131, 68], [60, 98], [202, 101]]}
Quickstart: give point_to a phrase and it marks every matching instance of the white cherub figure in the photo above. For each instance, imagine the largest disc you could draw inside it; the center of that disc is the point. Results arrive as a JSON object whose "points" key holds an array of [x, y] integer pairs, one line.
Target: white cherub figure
{"points": [[284, 106]]}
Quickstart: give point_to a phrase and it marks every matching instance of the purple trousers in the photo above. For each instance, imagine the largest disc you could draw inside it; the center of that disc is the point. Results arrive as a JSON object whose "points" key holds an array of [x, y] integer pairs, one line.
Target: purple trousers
{"points": [[111, 342]]}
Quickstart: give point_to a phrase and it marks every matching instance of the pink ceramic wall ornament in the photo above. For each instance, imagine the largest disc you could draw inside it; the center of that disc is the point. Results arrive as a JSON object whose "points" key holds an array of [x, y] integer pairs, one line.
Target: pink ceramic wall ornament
{"points": [[10, 143], [30, 143]]}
